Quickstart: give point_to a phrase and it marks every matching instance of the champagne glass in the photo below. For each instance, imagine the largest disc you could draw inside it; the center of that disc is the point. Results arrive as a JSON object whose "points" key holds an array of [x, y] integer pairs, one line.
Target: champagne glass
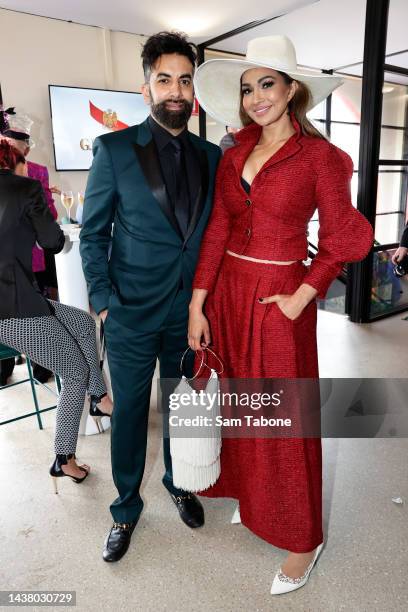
{"points": [[67, 199]]}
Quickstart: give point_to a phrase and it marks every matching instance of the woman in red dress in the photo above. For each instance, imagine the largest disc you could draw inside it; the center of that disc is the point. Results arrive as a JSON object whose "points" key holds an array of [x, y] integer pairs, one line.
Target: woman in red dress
{"points": [[254, 300]]}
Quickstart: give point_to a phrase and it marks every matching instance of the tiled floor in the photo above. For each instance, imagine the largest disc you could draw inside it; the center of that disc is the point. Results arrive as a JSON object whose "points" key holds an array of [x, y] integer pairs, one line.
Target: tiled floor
{"points": [[51, 542]]}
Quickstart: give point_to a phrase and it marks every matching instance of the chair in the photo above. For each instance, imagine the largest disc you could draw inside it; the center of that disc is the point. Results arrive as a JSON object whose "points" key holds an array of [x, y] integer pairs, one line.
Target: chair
{"points": [[8, 353]]}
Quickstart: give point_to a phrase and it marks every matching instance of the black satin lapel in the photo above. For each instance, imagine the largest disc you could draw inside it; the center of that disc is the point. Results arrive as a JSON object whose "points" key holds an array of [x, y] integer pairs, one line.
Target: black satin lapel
{"points": [[202, 193], [150, 166]]}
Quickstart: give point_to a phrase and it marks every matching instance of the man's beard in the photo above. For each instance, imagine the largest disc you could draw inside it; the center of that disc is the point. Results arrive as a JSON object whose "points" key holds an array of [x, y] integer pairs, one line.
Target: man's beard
{"points": [[174, 120]]}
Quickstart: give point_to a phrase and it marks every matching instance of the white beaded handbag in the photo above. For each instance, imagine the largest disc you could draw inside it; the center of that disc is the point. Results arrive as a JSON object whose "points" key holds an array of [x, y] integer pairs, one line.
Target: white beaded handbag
{"points": [[196, 458]]}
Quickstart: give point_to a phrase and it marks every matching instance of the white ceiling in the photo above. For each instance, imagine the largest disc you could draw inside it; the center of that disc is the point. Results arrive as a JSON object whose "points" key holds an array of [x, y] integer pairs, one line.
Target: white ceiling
{"points": [[326, 33], [201, 19]]}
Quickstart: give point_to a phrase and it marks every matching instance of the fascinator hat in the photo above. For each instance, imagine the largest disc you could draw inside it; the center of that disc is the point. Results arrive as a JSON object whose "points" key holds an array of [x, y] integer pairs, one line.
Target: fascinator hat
{"points": [[16, 125], [217, 81]]}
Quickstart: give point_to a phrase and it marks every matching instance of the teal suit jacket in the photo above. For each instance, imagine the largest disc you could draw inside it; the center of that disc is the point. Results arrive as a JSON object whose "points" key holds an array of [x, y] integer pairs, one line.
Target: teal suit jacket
{"points": [[138, 281]]}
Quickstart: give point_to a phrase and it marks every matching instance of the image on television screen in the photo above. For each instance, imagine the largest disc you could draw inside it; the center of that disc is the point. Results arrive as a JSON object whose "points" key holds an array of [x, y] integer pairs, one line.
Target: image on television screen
{"points": [[79, 115]]}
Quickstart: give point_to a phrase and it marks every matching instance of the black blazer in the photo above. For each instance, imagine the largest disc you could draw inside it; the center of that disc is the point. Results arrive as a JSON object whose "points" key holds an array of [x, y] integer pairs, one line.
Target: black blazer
{"points": [[24, 220]]}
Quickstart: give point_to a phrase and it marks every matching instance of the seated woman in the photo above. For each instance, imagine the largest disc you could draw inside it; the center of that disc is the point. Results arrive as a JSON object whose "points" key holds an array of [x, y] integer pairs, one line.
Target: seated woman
{"points": [[56, 336]]}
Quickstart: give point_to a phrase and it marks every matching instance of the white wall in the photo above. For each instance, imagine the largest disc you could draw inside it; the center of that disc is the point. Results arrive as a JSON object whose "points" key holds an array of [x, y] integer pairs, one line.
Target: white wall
{"points": [[36, 51]]}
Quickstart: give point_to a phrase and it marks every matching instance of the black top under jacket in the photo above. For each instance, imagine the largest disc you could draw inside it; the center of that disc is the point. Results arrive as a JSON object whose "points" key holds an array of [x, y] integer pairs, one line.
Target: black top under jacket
{"points": [[181, 172], [24, 220]]}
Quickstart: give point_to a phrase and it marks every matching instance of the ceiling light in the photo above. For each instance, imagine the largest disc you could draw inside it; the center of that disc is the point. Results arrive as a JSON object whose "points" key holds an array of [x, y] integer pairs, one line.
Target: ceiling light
{"points": [[387, 89], [192, 25]]}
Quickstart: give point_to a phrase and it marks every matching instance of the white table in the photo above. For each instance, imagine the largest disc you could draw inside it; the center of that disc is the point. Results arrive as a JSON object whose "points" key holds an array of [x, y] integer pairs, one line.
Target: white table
{"points": [[73, 291]]}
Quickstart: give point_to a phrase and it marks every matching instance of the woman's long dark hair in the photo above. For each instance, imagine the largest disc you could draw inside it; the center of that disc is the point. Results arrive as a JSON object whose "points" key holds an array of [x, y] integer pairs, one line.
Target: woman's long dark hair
{"points": [[298, 105]]}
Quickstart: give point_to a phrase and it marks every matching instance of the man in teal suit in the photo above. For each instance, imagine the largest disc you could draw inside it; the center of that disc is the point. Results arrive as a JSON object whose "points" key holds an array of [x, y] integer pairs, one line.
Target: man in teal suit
{"points": [[154, 182]]}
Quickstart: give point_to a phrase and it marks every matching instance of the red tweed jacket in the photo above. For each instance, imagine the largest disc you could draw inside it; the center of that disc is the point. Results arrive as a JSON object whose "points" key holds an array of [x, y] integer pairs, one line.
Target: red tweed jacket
{"points": [[271, 222]]}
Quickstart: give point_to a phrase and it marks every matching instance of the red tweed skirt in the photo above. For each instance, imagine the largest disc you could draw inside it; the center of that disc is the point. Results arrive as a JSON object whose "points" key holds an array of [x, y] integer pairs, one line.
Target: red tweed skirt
{"points": [[277, 481]]}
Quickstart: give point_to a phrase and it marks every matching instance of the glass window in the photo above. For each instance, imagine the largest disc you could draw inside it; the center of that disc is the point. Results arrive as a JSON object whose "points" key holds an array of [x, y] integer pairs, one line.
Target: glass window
{"points": [[395, 100], [392, 188], [388, 291], [387, 228], [346, 101], [394, 144], [390, 191], [347, 137]]}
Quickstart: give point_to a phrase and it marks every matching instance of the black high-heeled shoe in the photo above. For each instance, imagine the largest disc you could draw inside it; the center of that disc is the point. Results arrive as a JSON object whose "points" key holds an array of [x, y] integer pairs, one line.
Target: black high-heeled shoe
{"points": [[96, 413], [56, 470]]}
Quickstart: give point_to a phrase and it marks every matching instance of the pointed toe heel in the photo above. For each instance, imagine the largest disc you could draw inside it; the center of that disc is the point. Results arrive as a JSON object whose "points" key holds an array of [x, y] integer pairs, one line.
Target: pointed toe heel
{"points": [[285, 584]]}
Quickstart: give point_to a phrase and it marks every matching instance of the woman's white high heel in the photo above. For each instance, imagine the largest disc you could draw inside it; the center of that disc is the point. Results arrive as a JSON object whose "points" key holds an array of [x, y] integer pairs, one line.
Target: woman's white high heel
{"points": [[285, 584], [236, 517]]}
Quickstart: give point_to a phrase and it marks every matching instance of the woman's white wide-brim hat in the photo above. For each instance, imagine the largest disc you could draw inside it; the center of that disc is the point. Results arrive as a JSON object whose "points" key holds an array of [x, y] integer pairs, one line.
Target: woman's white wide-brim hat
{"points": [[217, 81]]}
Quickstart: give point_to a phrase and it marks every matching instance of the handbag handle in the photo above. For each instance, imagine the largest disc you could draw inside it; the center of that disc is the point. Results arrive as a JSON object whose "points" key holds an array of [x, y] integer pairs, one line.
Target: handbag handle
{"points": [[202, 362]]}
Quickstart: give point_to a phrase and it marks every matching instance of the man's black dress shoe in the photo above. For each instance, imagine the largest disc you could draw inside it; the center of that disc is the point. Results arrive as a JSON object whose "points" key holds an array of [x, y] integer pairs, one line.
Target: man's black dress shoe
{"points": [[190, 509], [117, 541]]}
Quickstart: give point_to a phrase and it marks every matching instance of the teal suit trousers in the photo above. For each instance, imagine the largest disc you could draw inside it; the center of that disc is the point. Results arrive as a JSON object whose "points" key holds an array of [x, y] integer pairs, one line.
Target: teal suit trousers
{"points": [[132, 360]]}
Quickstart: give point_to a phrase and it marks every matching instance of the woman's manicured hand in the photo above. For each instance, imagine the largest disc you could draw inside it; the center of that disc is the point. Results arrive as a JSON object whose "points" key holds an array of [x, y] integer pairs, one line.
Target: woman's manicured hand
{"points": [[198, 328], [290, 305]]}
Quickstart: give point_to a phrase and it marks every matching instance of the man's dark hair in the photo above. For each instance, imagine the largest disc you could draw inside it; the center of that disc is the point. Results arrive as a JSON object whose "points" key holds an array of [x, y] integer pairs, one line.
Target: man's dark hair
{"points": [[166, 42]]}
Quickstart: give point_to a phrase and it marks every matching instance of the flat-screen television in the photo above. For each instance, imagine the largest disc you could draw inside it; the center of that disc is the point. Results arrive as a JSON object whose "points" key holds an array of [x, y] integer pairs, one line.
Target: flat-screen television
{"points": [[79, 115]]}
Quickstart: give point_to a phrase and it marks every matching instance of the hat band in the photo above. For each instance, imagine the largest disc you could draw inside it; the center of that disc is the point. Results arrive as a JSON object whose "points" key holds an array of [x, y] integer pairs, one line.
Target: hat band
{"points": [[16, 135]]}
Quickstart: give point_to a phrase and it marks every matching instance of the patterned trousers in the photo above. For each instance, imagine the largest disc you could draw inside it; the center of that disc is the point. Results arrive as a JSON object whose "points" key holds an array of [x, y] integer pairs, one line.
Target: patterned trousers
{"points": [[66, 345]]}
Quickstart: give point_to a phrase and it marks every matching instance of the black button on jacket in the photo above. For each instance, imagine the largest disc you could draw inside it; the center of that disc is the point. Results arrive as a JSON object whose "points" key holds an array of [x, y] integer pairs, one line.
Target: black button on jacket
{"points": [[24, 220]]}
